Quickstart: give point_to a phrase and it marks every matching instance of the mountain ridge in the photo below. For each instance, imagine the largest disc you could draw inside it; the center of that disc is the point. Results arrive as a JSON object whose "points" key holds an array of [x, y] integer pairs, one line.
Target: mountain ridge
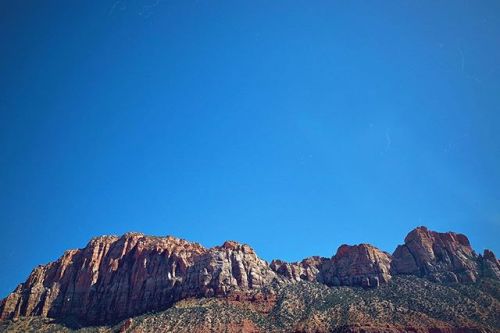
{"points": [[117, 277]]}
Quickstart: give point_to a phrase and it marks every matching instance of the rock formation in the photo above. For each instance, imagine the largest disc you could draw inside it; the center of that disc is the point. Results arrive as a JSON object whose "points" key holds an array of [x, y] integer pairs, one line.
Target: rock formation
{"points": [[490, 266], [226, 268], [441, 257], [359, 265], [113, 278], [307, 270]]}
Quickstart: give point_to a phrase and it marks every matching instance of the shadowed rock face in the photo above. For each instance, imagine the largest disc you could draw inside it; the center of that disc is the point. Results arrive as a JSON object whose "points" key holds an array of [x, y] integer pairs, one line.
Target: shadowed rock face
{"points": [[441, 257], [118, 277], [490, 266]]}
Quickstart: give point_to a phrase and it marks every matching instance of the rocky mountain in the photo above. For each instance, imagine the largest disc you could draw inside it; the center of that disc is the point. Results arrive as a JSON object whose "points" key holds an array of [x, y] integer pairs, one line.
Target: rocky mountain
{"points": [[438, 256], [115, 278], [359, 265]]}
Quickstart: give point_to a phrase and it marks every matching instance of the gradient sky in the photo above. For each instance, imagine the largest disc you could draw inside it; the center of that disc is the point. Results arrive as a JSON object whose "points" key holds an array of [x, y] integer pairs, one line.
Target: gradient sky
{"points": [[294, 126]]}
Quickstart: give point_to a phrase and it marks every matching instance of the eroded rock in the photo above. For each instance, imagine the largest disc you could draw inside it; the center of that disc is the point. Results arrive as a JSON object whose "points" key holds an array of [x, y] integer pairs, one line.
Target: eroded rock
{"points": [[441, 257]]}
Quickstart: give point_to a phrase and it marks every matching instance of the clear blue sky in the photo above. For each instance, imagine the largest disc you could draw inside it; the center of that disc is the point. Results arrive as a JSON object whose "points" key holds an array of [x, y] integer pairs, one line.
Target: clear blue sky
{"points": [[294, 126]]}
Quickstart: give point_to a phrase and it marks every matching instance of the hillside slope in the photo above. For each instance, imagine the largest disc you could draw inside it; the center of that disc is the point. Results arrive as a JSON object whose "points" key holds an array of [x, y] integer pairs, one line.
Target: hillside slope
{"points": [[406, 304]]}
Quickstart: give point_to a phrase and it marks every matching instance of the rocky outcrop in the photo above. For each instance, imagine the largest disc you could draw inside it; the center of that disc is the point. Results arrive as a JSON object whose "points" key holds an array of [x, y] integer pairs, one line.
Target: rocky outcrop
{"points": [[441, 257], [489, 264], [306, 270], [114, 278], [226, 268], [358, 265], [353, 265]]}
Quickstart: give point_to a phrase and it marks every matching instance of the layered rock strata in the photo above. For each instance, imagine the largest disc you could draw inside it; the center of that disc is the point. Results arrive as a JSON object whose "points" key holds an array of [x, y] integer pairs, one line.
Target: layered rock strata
{"points": [[118, 277]]}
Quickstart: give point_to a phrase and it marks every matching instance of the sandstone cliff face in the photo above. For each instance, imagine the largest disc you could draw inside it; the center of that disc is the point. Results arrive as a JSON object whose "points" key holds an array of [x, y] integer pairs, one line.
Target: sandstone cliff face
{"points": [[359, 265], [306, 270], [441, 257], [113, 278], [118, 277], [406, 304], [226, 268]]}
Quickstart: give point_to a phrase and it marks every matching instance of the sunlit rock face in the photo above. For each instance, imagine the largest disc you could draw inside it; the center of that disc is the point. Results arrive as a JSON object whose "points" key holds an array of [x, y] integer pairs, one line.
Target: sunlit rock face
{"points": [[118, 277], [226, 268], [305, 270], [441, 257], [110, 278], [357, 265], [353, 265], [115, 278]]}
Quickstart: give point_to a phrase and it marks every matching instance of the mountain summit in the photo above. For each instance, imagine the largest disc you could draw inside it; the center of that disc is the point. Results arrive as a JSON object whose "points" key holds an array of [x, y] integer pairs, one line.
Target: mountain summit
{"points": [[115, 278]]}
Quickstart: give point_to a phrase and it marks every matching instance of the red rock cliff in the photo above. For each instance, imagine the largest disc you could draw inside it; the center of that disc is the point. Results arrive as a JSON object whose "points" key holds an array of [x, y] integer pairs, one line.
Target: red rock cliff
{"points": [[358, 265], [113, 278], [441, 257], [118, 277]]}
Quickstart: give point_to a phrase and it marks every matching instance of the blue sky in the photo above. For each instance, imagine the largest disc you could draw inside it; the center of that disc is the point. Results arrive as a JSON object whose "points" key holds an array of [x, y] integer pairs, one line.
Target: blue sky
{"points": [[293, 126]]}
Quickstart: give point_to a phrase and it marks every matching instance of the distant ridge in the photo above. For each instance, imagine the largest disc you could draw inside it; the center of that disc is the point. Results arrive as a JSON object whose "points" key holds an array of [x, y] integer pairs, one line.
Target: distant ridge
{"points": [[114, 278]]}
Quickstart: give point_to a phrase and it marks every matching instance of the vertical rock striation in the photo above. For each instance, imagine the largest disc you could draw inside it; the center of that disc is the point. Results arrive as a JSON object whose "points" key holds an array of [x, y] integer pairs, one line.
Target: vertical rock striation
{"points": [[441, 257], [305, 270], [226, 268], [118, 277], [114, 278], [358, 265]]}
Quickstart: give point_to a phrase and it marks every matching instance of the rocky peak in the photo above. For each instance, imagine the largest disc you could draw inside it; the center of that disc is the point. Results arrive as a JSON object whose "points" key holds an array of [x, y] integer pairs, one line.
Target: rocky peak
{"points": [[442, 257], [357, 265], [118, 277], [489, 255], [235, 246], [230, 245], [307, 269], [227, 268], [422, 235], [490, 266]]}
